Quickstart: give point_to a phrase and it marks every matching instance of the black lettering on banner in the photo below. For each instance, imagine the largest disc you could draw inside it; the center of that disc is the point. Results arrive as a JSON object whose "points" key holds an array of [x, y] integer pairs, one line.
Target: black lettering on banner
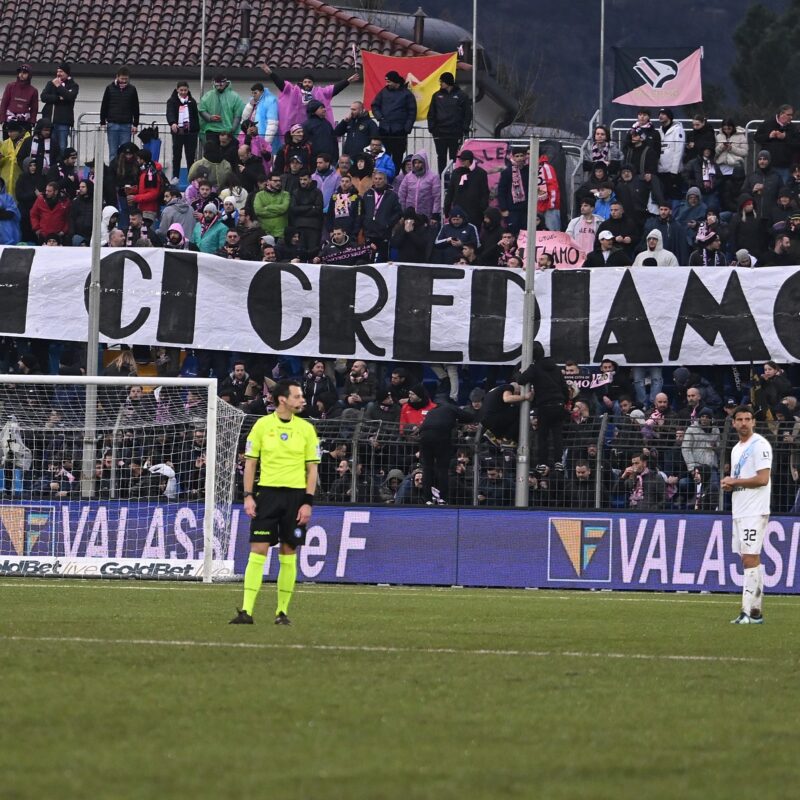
{"points": [[265, 305], [414, 302], [15, 275], [112, 286], [489, 303], [627, 322], [176, 315], [731, 319], [570, 294], [786, 314], [339, 324]]}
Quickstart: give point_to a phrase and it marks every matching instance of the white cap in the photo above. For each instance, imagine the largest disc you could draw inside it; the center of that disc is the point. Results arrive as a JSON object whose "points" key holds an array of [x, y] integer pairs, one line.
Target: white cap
{"points": [[605, 235]]}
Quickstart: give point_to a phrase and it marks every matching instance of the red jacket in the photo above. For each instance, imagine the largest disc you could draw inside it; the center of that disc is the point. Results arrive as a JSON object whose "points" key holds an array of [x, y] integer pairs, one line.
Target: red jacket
{"points": [[46, 220], [148, 198], [414, 416], [20, 101], [549, 193]]}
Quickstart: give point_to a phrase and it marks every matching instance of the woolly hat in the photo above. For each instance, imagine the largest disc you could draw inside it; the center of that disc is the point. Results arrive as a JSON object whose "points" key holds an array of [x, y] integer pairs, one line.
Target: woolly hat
{"points": [[447, 77], [667, 112], [477, 395], [681, 376], [705, 411], [742, 254], [394, 77], [764, 154], [693, 190], [420, 391], [65, 67], [24, 68], [296, 128], [210, 207]]}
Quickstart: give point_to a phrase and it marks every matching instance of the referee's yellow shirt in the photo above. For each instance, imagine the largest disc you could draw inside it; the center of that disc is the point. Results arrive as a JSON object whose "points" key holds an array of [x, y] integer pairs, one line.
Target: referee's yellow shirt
{"points": [[284, 449]]}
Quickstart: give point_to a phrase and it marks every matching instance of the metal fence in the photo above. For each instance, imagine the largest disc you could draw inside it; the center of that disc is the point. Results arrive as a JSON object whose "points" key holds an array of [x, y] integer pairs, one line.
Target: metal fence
{"points": [[608, 462]]}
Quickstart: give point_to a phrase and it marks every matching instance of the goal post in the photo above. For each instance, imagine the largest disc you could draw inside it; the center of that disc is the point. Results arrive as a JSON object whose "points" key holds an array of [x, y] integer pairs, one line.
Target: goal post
{"points": [[109, 476]]}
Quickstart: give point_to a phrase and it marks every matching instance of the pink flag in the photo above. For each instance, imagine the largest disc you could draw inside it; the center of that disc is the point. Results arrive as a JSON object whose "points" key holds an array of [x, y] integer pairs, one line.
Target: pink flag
{"points": [[665, 82]]}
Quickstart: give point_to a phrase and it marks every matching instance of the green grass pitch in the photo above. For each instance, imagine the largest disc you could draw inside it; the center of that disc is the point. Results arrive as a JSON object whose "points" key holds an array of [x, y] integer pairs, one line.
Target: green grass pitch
{"points": [[139, 690]]}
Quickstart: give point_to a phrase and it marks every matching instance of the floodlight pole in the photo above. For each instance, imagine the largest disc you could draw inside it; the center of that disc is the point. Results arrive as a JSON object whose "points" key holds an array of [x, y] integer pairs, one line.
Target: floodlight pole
{"points": [[474, 64], [93, 334], [203, 48], [602, 55], [528, 306]]}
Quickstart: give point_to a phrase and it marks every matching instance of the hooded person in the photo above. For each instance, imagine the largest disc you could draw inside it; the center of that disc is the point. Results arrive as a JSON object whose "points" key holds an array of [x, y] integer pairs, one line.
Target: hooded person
{"points": [[491, 231], [655, 252], [320, 132], [220, 110], [176, 209], [550, 394], [388, 489], [412, 238], [29, 185], [691, 212], [81, 214], [746, 229], [405, 168], [217, 169], [108, 221], [10, 217], [453, 235], [421, 188], [10, 164], [20, 101], [763, 184], [175, 238]]}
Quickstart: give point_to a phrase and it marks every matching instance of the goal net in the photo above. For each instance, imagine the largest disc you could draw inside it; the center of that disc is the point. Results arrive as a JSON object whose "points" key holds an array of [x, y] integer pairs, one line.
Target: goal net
{"points": [[117, 477]]}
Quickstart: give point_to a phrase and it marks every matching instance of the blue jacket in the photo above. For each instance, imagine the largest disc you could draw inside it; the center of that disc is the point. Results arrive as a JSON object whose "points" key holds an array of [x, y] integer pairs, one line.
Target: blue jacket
{"points": [[395, 110], [9, 217]]}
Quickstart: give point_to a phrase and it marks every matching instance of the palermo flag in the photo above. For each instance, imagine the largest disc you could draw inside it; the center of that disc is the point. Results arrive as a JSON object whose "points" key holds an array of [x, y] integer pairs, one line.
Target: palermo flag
{"points": [[657, 76], [421, 73]]}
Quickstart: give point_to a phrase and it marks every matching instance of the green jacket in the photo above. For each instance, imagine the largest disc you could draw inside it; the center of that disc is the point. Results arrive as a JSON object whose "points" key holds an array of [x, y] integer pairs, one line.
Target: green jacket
{"points": [[227, 105], [272, 210], [213, 239]]}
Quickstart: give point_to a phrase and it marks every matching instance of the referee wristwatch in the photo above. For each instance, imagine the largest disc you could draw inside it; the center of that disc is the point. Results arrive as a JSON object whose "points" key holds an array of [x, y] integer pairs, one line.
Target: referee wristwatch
{"points": [[249, 494]]}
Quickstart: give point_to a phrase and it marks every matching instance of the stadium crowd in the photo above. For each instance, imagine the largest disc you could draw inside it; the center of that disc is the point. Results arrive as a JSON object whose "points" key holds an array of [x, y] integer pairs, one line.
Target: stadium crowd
{"points": [[279, 179]]}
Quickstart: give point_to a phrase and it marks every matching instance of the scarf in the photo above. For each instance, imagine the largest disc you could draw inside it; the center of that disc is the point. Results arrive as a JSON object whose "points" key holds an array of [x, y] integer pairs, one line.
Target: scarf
{"points": [[183, 113], [35, 142], [517, 186], [709, 174], [637, 495], [600, 152], [205, 224]]}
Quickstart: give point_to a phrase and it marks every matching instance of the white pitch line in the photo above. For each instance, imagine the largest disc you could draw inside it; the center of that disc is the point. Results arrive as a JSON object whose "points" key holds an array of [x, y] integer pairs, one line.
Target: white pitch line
{"points": [[342, 648], [622, 596]]}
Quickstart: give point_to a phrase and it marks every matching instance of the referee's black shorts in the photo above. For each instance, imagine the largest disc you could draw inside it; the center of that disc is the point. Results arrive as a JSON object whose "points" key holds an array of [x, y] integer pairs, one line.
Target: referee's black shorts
{"points": [[276, 516]]}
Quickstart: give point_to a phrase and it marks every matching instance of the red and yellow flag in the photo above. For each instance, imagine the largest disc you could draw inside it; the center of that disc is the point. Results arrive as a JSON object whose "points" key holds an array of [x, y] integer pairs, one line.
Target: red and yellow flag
{"points": [[422, 74]]}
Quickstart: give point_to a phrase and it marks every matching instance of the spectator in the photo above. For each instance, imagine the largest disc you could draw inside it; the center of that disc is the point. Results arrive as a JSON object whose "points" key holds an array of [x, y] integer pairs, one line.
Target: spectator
{"points": [[646, 488], [260, 123], [449, 119], [248, 170], [306, 212], [673, 235], [411, 491], [625, 231], [176, 237], [655, 252], [781, 139], [20, 101], [359, 387], [395, 110], [319, 390], [388, 489], [59, 97], [320, 132], [549, 194], [229, 215], [763, 184], [124, 169], [701, 442], [773, 386], [634, 194], [344, 208], [453, 235], [10, 164], [436, 449], [703, 172], [271, 206], [645, 130], [140, 231], [250, 233], [413, 413], [381, 158], [108, 222], [40, 147], [605, 197], [580, 489], [512, 191], [65, 174], [420, 188], [209, 233], [235, 383], [700, 137], [608, 255], [176, 210], [500, 413], [212, 166], [384, 408], [146, 194], [341, 249], [220, 111], [119, 111], [781, 253], [600, 149], [326, 178], [589, 189], [706, 490], [30, 185], [412, 238], [9, 217], [743, 259], [494, 489], [490, 233], [731, 148], [583, 229], [673, 140], [643, 154], [358, 129], [685, 381], [81, 216], [707, 252], [381, 212], [468, 188], [183, 119], [296, 145], [50, 214], [690, 213], [230, 249], [293, 99]]}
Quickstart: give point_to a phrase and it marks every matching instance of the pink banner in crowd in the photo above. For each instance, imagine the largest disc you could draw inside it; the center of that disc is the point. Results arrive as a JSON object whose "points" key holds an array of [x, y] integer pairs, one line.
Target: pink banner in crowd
{"points": [[564, 249], [491, 156]]}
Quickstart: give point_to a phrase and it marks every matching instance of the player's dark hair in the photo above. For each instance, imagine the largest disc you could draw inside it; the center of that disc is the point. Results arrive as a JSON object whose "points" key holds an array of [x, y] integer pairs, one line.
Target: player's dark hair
{"points": [[283, 388], [743, 410]]}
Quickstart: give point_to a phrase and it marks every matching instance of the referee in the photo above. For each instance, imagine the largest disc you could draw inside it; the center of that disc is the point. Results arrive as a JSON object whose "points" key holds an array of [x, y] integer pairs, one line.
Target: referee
{"points": [[288, 451]]}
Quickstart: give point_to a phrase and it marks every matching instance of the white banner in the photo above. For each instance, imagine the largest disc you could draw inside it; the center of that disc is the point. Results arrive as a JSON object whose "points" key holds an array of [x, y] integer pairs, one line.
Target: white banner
{"points": [[404, 312], [89, 567]]}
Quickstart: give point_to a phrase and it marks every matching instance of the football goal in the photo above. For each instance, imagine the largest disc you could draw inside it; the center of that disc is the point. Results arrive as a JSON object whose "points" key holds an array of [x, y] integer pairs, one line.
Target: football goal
{"points": [[117, 477]]}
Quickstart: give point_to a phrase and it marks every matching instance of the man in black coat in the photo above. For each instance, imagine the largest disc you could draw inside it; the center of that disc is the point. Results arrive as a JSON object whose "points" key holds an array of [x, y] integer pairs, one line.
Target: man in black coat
{"points": [[306, 212], [436, 448], [449, 118], [395, 109], [59, 97], [381, 212], [184, 122], [320, 132], [358, 129], [607, 255], [781, 139], [468, 188]]}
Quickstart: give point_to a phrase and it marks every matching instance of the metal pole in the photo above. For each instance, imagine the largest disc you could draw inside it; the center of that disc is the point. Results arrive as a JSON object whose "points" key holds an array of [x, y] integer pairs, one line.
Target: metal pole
{"points": [[602, 54], [523, 441], [203, 48], [474, 64], [93, 333]]}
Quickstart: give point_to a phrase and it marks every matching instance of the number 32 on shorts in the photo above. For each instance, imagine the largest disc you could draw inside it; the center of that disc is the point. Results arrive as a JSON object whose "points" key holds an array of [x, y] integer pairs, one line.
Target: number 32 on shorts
{"points": [[749, 534]]}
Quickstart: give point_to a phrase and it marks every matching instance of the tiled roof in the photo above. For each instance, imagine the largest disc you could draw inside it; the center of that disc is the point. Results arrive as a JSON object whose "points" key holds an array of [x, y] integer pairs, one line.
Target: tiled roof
{"points": [[292, 34]]}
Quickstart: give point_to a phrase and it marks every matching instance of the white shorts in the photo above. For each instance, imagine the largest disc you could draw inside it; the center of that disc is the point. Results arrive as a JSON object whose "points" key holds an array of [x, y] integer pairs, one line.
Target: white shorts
{"points": [[748, 534]]}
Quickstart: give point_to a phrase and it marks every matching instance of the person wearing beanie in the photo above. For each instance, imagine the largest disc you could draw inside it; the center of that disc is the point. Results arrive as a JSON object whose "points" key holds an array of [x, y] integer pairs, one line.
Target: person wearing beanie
{"points": [[64, 172], [670, 163], [449, 119], [763, 185], [320, 133], [59, 97], [119, 111], [413, 413], [468, 188], [296, 146], [742, 258], [40, 147], [707, 253], [395, 110], [20, 101], [780, 137], [210, 232]]}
